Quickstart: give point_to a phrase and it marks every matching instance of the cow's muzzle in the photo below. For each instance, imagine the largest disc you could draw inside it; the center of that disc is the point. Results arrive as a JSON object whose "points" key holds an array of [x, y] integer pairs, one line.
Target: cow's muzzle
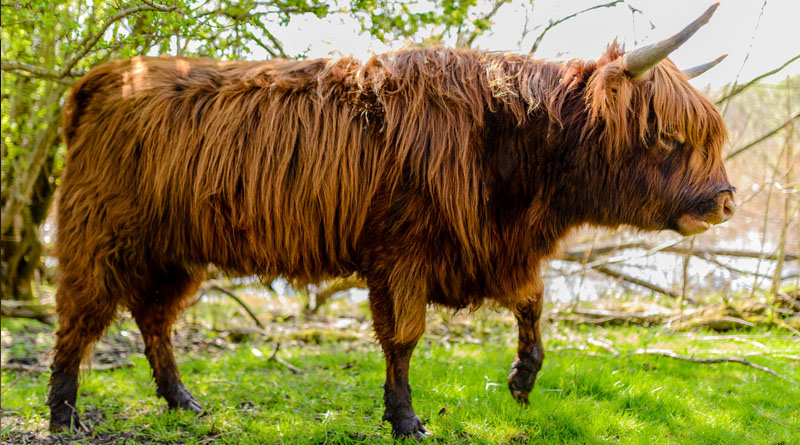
{"points": [[722, 209]]}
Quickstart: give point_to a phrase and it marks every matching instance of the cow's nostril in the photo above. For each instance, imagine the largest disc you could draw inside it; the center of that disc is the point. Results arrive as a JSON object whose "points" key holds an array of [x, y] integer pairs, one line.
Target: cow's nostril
{"points": [[728, 208]]}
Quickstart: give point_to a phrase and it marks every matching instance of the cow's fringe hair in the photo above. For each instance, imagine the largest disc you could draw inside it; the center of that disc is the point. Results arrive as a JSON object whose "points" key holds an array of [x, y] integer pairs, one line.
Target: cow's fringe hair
{"points": [[627, 112]]}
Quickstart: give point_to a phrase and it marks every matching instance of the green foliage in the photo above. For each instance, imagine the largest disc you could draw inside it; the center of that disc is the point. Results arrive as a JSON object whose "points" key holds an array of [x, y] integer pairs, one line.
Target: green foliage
{"points": [[462, 21]]}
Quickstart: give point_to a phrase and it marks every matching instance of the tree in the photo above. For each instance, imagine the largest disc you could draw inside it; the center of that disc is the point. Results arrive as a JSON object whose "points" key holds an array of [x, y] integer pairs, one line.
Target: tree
{"points": [[47, 45]]}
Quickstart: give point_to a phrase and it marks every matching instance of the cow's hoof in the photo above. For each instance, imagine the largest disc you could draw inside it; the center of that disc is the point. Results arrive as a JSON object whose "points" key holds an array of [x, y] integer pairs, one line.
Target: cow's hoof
{"points": [[520, 382], [521, 397], [180, 398], [192, 405], [74, 424], [410, 427], [63, 418]]}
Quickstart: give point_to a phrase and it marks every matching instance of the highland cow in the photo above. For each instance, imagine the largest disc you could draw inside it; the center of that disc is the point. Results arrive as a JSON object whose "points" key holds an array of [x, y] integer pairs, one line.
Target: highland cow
{"points": [[440, 176]]}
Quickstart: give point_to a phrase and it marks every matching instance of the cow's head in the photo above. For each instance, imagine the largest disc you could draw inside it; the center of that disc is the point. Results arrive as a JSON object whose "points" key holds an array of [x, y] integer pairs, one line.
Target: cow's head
{"points": [[661, 157]]}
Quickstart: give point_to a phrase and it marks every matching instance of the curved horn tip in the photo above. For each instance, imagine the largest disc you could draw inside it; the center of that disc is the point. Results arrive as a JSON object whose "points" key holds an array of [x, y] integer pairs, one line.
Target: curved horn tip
{"points": [[700, 69], [639, 61]]}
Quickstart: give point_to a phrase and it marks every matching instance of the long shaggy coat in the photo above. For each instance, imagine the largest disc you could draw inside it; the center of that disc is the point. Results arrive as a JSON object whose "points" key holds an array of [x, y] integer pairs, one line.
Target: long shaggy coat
{"points": [[441, 176]]}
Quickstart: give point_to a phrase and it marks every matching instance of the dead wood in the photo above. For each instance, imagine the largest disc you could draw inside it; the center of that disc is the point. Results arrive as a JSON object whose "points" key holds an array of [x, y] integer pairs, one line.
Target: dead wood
{"points": [[708, 361], [274, 358], [24, 309], [37, 368], [639, 282], [332, 287], [213, 285]]}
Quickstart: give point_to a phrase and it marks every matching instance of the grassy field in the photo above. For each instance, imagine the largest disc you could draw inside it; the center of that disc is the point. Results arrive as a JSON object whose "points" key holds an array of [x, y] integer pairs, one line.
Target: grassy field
{"points": [[584, 394]]}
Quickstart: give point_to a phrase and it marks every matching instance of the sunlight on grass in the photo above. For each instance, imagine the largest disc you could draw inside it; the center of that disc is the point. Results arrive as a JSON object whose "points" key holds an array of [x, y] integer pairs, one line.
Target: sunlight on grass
{"points": [[460, 391]]}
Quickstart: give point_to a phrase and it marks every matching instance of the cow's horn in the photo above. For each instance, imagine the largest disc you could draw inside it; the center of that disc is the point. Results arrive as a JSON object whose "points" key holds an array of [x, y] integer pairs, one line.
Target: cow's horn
{"points": [[639, 61], [700, 69]]}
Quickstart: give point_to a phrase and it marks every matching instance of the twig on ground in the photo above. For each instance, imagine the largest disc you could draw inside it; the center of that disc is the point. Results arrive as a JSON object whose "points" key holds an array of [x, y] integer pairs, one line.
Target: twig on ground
{"points": [[16, 380], [218, 287], [280, 361], [36, 368], [23, 309], [607, 345], [758, 411], [783, 324], [74, 417], [733, 338], [708, 361]]}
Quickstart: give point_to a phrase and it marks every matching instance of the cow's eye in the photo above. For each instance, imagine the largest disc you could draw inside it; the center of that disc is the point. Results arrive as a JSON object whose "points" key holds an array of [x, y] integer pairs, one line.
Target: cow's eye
{"points": [[672, 133]]}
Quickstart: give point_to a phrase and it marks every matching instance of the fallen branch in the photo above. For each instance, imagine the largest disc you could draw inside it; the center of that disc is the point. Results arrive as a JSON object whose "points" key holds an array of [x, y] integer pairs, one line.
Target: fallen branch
{"points": [[274, 358], [37, 368], [603, 344], [334, 286], [577, 255], [601, 316], [639, 282], [758, 411], [219, 288], [23, 309], [708, 361]]}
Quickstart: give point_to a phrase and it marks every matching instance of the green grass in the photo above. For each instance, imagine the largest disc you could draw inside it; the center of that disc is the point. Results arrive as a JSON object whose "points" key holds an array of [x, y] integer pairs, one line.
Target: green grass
{"points": [[582, 395]]}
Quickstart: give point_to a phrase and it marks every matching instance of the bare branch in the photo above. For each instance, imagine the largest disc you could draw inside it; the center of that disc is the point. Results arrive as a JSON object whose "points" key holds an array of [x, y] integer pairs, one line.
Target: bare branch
{"points": [[577, 255], [467, 41], [761, 139], [709, 361], [218, 287], [274, 358], [35, 368], [741, 88], [38, 71], [564, 19], [633, 280]]}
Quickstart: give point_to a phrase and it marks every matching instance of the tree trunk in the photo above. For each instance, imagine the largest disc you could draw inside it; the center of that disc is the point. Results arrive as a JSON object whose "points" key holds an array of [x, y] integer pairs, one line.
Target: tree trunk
{"points": [[21, 247]]}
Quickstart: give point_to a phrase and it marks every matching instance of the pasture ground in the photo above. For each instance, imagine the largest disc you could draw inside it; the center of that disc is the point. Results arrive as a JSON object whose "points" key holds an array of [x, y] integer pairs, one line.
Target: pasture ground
{"points": [[324, 384]]}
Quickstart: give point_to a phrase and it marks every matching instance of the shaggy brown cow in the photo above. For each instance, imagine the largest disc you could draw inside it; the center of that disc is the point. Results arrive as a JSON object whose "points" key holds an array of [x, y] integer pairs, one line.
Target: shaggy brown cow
{"points": [[440, 176]]}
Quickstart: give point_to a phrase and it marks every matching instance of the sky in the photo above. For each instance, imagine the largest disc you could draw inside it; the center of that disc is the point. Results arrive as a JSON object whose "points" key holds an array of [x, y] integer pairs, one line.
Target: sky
{"points": [[738, 28]]}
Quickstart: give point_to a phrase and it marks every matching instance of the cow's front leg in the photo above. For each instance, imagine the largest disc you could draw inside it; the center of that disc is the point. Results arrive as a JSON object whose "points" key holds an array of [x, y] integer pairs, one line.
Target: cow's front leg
{"points": [[530, 352], [398, 332]]}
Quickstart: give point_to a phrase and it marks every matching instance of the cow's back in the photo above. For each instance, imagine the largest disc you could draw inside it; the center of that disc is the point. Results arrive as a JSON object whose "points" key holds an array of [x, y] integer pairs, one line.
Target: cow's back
{"points": [[255, 167]]}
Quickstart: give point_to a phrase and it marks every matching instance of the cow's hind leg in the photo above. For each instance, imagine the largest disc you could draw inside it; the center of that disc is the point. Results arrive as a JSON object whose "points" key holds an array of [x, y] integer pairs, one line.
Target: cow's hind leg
{"points": [[83, 315], [154, 314], [530, 352]]}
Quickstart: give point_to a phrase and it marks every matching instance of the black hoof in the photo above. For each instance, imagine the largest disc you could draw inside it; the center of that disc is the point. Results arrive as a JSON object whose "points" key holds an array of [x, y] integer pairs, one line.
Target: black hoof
{"points": [[66, 419], [410, 428], [178, 397], [522, 377], [519, 386]]}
